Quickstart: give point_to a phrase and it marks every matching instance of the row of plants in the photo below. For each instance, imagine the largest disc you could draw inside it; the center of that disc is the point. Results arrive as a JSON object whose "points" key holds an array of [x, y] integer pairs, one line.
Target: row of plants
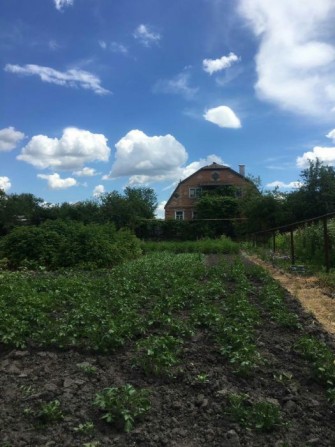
{"points": [[223, 245], [155, 303]]}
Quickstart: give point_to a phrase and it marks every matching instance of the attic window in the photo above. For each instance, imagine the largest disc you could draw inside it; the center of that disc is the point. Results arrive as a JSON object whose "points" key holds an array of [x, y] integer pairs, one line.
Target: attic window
{"points": [[176, 195], [215, 176], [194, 193]]}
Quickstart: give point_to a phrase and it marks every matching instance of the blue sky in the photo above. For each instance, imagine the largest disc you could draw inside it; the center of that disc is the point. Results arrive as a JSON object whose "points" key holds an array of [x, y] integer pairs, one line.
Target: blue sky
{"points": [[97, 95]]}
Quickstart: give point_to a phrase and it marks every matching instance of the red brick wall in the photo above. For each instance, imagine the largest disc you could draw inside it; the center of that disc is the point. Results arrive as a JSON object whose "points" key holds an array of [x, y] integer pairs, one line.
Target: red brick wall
{"points": [[203, 177]]}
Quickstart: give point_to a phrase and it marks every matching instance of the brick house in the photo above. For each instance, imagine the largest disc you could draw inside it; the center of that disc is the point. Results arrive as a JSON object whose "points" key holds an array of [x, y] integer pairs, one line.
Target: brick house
{"points": [[181, 204]]}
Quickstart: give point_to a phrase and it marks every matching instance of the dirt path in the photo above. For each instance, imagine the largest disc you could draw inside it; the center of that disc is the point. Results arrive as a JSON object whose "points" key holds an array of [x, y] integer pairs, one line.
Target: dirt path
{"points": [[307, 290]]}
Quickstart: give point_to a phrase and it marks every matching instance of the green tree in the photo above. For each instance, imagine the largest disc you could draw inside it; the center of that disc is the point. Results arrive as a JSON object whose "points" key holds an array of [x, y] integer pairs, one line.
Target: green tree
{"points": [[316, 196], [125, 210], [18, 209]]}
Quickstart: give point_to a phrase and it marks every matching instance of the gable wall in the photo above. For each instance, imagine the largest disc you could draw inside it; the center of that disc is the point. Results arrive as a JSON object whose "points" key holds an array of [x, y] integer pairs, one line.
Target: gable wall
{"points": [[203, 177]]}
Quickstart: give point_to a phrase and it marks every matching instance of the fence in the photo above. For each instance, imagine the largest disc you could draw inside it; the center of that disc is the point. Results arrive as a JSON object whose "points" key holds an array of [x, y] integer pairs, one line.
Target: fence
{"points": [[271, 233]]}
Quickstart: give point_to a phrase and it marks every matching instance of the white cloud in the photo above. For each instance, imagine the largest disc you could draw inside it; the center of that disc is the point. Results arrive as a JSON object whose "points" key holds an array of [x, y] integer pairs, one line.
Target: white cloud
{"points": [[85, 172], [278, 184], [178, 85], [331, 135], [146, 158], [160, 212], [296, 59], [117, 47], [74, 78], [75, 148], [223, 116], [55, 182], [5, 183], [325, 154], [60, 4], [145, 36], [196, 165], [9, 138], [98, 190], [213, 65], [102, 44]]}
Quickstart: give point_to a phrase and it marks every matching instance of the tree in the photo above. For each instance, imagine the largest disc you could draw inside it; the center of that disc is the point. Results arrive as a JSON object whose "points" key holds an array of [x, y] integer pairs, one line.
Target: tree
{"points": [[316, 196], [125, 210], [18, 209]]}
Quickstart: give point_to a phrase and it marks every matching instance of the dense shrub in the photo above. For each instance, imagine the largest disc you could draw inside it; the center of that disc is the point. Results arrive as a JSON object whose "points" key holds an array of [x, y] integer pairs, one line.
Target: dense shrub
{"points": [[57, 244]]}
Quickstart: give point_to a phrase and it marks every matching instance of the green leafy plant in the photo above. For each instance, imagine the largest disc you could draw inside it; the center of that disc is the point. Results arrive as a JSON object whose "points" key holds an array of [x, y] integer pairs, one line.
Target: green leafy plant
{"points": [[322, 360], [263, 415], [50, 412], [122, 405], [88, 369], [202, 378], [158, 354], [86, 427]]}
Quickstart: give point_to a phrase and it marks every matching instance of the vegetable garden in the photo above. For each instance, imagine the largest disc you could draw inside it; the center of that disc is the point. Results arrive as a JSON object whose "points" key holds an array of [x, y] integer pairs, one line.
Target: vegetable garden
{"points": [[177, 350]]}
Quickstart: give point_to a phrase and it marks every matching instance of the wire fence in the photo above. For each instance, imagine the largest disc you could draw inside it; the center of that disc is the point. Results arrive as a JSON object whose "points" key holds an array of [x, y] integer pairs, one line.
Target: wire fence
{"points": [[262, 236]]}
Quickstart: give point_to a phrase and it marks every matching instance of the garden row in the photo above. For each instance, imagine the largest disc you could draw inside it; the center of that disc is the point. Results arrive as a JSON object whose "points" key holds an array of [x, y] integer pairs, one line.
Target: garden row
{"points": [[166, 314]]}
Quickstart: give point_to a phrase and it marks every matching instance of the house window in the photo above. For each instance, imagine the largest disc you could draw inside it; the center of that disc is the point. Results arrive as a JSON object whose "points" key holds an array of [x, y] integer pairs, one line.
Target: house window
{"points": [[194, 193], [179, 215]]}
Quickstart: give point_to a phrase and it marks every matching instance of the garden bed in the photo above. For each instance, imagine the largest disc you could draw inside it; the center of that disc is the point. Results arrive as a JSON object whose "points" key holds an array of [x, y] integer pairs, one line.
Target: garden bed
{"points": [[192, 403]]}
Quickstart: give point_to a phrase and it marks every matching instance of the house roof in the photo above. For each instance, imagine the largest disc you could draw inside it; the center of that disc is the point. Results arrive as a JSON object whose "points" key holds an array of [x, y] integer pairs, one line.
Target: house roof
{"points": [[212, 167]]}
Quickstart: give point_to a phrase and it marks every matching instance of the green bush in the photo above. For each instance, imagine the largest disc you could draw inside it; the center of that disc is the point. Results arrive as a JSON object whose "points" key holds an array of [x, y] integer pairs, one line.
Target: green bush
{"points": [[58, 244]]}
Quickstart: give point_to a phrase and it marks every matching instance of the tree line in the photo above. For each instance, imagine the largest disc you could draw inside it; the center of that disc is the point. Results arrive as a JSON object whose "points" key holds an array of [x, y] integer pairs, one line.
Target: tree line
{"points": [[262, 210], [121, 209]]}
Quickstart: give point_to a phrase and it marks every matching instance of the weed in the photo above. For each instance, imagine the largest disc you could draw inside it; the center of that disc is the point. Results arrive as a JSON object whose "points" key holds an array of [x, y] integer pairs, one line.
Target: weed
{"points": [[202, 378], [87, 368], [123, 405], [86, 427], [50, 412]]}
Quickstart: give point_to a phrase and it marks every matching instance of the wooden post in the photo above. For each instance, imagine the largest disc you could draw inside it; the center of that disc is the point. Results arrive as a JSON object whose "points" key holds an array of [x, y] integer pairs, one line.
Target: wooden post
{"points": [[292, 248], [326, 243], [274, 242]]}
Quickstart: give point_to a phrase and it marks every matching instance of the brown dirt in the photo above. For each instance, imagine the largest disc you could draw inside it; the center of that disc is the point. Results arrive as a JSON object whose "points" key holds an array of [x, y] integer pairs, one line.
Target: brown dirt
{"points": [[184, 413], [307, 290]]}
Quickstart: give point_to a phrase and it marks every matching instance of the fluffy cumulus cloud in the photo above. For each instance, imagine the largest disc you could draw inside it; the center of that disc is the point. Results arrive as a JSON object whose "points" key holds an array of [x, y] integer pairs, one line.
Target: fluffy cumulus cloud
{"points": [[196, 165], [9, 138], [213, 65], [60, 4], [85, 172], [5, 183], [147, 158], [223, 116], [325, 154], [98, 190], [290, 185], [74, 78], [146, 36], [179, 85], [72, 151], [296, 57], [56, 182]]}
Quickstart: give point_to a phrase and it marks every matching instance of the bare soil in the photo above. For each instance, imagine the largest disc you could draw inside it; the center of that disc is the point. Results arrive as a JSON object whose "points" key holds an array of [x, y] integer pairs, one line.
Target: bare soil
{"points": [[184, 413]]}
